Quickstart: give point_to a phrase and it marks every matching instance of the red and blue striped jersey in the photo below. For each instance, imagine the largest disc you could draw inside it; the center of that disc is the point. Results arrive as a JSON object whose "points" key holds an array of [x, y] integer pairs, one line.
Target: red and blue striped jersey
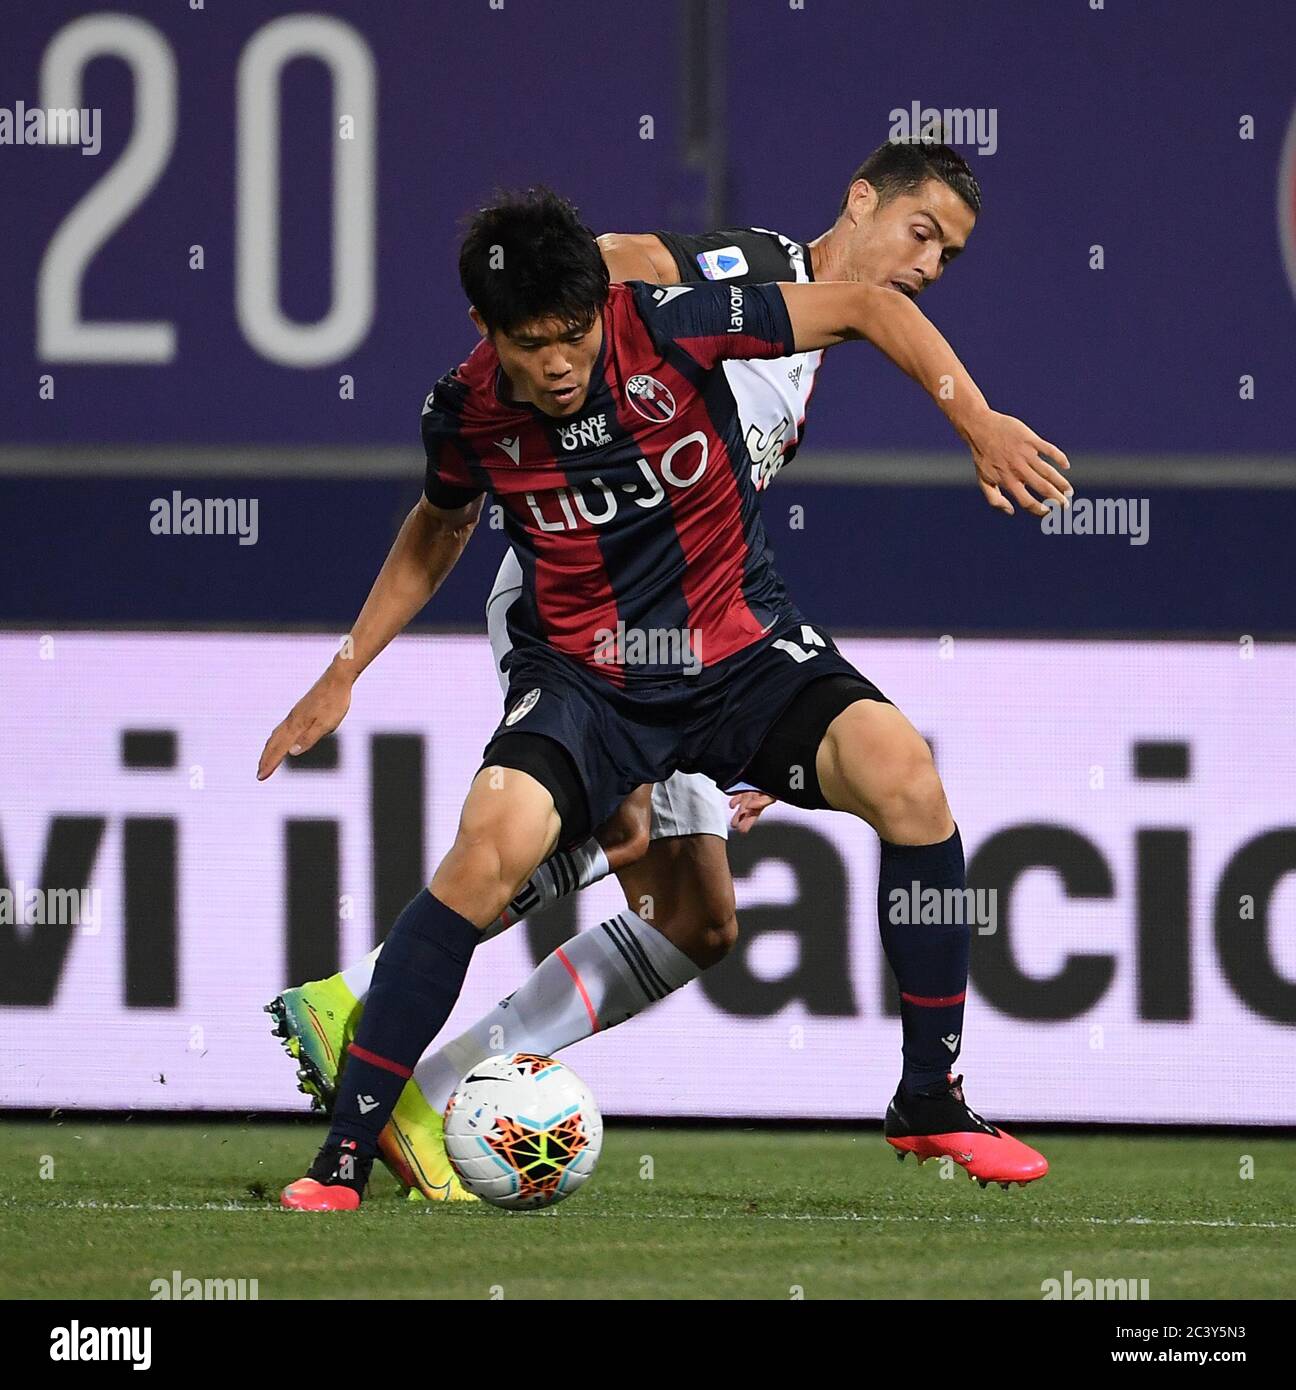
{"points": [[637, 516]]}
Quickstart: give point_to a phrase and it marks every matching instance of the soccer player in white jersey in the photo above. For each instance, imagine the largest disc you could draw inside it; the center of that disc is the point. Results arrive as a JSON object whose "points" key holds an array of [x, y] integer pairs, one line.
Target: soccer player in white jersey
{"points": [[907, 213]]}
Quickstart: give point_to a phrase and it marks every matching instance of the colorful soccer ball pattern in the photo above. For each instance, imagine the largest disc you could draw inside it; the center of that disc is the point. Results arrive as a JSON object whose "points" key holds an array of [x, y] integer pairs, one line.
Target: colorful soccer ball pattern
{"points": [[522, 1131]]}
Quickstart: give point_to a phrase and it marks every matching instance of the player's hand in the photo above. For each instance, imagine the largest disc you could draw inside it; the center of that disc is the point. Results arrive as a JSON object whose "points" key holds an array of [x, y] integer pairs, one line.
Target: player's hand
{"points": [[1007, 454], [318, 712], [746, 808]]}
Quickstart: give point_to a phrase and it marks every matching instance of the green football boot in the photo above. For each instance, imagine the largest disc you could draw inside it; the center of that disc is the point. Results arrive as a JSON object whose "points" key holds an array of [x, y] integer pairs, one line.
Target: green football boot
{"points": [[412, 1145], [316, 1023]]}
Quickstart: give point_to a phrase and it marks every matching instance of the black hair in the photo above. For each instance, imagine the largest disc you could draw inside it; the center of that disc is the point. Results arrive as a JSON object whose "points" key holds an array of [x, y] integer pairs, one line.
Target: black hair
{"points": [[902, 166], [528, 256]]}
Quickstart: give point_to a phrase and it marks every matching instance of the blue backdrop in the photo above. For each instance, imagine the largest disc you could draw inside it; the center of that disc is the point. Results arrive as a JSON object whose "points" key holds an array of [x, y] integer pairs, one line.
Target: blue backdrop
{"points": [[886, 559], [1117, 127]]}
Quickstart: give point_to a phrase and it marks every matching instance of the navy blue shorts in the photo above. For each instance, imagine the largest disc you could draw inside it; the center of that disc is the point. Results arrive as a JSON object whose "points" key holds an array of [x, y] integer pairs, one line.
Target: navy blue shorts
{"points": [[714, 722]]}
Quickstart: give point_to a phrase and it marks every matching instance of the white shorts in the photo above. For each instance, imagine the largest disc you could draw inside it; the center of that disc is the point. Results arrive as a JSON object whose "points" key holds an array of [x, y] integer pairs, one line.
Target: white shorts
{"points": [[686, 803]]}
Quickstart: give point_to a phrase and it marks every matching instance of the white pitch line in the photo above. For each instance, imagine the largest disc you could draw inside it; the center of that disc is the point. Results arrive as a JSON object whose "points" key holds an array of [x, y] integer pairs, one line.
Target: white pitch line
{"points": [[973, 1218], [14, 1203]]}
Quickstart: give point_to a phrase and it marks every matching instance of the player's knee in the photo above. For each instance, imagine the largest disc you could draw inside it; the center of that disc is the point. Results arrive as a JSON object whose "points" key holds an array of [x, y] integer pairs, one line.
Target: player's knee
{"points": [[482, 871], [706, 941], [908, 801], [722, 939], [484, 848], [473, 856]]}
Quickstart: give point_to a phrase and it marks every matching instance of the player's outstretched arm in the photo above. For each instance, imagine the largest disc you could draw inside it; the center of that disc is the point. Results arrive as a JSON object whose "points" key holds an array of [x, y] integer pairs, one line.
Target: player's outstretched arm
{"points": [[1006, 451], [427, 548]]}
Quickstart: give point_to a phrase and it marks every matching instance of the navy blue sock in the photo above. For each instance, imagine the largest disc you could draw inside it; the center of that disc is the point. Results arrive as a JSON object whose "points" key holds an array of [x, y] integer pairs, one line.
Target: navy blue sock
{"points": [[416, 980], [929, 958]]}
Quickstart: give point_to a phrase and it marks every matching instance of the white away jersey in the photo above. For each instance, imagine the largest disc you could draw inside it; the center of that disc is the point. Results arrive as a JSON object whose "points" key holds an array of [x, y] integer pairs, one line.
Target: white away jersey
{"points": [[772, 395]]}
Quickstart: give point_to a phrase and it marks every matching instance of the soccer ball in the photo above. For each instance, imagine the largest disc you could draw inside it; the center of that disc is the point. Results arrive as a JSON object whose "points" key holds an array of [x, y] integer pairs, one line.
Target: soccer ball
{"points": [[522, 1131]]}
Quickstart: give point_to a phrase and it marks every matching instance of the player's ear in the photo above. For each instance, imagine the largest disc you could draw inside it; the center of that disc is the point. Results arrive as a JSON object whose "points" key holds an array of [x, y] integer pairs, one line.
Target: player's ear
{"points": [[861, 200], [479, 323]]}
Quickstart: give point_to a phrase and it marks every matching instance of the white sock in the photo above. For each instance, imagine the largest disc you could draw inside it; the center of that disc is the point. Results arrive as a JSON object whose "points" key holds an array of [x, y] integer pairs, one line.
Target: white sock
{"points": [[566, 872], [595, 981], [357, 977]]}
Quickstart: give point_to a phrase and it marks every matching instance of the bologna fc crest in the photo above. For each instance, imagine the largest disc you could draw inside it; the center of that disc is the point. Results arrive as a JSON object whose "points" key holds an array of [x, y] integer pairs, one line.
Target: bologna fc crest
{"points": [[523, 707], [650, 398], [1287, 201]]}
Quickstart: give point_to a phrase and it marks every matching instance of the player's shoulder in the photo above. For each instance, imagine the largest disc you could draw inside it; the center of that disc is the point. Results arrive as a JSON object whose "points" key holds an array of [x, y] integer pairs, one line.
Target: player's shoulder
{"points": [[636, 307], [746, 255], [462, 394], [446, 400], [661, 312], [641, 298]]}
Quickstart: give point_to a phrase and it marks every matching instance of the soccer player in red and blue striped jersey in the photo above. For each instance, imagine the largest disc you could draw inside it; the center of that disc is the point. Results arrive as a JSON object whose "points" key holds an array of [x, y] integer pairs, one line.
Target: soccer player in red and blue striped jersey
{"points": [[655, 633]]}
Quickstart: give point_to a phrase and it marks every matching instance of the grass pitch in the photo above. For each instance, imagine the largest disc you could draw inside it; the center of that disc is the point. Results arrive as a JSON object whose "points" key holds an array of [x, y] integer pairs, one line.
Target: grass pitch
{"points": [[670, 1213]]}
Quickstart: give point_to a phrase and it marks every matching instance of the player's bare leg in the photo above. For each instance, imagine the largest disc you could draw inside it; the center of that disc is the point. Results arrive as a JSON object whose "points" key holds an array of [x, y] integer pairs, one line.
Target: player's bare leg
{"points": [[681, 919], [315, 1021], [874, 764], [508, 825], [682, 885], [619, 841], [596, 980]]}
